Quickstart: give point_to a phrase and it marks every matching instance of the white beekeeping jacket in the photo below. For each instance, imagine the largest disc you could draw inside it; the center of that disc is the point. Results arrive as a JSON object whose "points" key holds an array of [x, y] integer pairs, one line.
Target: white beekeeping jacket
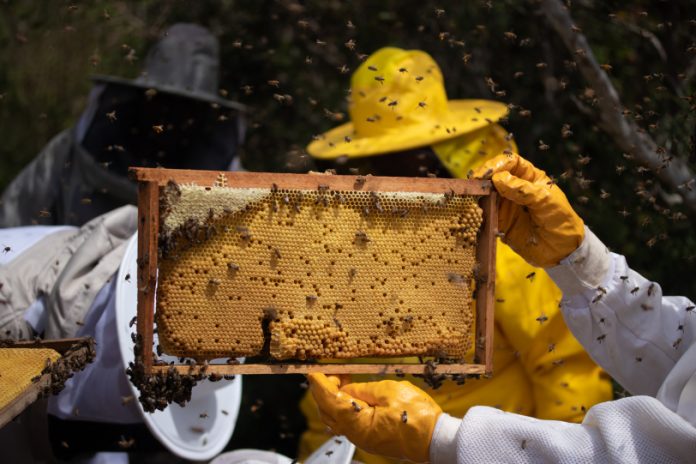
{"points": [[645, 340]]}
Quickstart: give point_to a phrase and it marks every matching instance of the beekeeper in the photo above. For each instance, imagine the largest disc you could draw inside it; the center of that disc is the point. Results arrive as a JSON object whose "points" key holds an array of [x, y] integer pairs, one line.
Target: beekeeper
{"points": [[403, 125], [172, 115], [647, 342]]}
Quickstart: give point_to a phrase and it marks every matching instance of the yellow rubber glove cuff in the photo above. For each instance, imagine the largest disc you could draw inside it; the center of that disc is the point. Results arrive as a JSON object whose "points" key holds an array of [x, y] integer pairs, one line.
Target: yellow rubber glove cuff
{"points": [[390, 418], [534, 214]]}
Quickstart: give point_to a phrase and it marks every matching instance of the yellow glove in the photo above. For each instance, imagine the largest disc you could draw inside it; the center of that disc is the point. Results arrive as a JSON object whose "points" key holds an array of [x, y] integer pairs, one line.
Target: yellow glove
{"points": [[394, 419], [535, 216]]}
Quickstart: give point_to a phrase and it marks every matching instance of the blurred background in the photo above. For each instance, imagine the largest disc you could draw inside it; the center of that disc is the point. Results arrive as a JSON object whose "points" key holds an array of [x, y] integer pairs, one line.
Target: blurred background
{"points": [[291, 62]]}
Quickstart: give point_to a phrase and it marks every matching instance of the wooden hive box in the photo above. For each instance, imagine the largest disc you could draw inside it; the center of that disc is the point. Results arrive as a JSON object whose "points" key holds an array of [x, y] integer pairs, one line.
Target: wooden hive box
{"points": [[295, 268]]}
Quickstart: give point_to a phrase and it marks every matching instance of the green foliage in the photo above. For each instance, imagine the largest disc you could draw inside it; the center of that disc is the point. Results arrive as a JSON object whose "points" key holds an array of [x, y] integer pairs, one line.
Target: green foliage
{"points": [[50, 49]]}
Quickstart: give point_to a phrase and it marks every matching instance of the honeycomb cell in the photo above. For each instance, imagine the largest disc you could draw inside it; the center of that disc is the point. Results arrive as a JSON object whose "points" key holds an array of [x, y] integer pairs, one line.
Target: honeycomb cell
{"points": [[315, 274]]}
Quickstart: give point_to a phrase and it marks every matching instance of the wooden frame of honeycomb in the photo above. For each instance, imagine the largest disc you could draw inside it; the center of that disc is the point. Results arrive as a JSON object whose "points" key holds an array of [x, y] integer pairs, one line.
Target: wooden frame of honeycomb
{"points": [[23, 363], [213, 250]]}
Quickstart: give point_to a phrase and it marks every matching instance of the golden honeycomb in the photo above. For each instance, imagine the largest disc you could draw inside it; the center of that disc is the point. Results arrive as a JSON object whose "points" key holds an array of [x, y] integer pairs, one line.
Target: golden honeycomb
{"points": [[315, 274], [18, 366]]}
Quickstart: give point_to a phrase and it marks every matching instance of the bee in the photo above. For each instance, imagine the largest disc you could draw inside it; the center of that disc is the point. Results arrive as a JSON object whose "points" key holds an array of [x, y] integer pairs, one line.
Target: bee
{"points": [[244, 233], [531, 276], [352, 272], [356, 406], [379, 79], [361, 237], [551, 347], [350, 45], [125, 444], [541, 319], [6, 249], [127, 399], [525, 113], [132, 321], [158, 129], [329, 453], [359, 182], [214, 282], [635, 290], [689, 308], [203, 415], [676, 343], [44, 213], [651, 288], [524, 444], [111, 115], [232, 266], [275, 253], [422, 104], [127, 278], [646, 307], [274, 83], [196, 429], [311, 299], [404, 417], [601, 338], [624, 278]]}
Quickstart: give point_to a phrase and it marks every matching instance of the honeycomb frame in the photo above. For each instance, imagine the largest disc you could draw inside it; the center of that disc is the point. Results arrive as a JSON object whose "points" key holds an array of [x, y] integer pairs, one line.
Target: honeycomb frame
{"points": [[27, 390], [153, 184]]}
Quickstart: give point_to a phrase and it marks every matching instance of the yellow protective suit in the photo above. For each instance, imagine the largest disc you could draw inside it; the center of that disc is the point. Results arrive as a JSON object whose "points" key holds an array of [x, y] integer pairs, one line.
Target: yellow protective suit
{"points": [[540, 369]]}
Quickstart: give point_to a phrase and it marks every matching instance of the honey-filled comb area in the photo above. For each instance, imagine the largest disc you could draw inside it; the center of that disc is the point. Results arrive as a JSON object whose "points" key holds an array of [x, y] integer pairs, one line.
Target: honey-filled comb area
{"points": [[305, 274]]}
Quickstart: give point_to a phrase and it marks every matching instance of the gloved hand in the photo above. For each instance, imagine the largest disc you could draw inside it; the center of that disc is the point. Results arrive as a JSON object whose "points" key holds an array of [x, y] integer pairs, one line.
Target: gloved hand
{"points": [[389, 418], [534, 214]]}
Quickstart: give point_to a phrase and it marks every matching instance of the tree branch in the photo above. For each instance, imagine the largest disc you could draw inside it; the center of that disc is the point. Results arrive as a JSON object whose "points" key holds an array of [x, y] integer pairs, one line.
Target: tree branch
{"points": [[673, 172]]}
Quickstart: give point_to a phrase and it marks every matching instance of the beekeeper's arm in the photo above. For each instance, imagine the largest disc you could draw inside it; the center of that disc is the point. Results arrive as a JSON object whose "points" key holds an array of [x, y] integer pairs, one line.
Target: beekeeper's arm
{"points": [[542, 227]]}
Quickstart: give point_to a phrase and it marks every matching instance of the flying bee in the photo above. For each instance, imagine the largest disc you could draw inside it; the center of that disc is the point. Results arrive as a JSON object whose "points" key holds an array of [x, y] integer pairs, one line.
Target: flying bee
{"points": [[359, 182]]}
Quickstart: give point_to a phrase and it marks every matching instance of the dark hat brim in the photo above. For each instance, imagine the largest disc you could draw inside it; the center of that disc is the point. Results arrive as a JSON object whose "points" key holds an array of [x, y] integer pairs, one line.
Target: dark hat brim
{"points": [[205, 97]]}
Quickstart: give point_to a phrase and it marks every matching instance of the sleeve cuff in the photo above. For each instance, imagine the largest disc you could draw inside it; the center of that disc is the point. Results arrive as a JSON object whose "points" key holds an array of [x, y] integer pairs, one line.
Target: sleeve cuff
{"points": [[585, 269], [443, 446]]}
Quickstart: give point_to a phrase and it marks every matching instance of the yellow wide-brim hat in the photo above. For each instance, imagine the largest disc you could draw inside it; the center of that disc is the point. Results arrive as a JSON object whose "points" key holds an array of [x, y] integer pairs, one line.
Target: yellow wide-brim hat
{"points": [[398, 102]]}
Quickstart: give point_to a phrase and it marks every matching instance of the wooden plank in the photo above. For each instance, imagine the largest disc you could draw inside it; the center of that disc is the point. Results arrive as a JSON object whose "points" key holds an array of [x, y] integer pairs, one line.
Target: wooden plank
{"points": [[148, 226], [485, 295], [342, 368], [13, 408], [313, 181]]}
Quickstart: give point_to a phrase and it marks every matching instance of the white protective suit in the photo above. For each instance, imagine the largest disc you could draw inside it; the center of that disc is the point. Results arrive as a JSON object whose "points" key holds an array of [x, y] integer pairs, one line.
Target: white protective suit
{"points": [[647, 342]]}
